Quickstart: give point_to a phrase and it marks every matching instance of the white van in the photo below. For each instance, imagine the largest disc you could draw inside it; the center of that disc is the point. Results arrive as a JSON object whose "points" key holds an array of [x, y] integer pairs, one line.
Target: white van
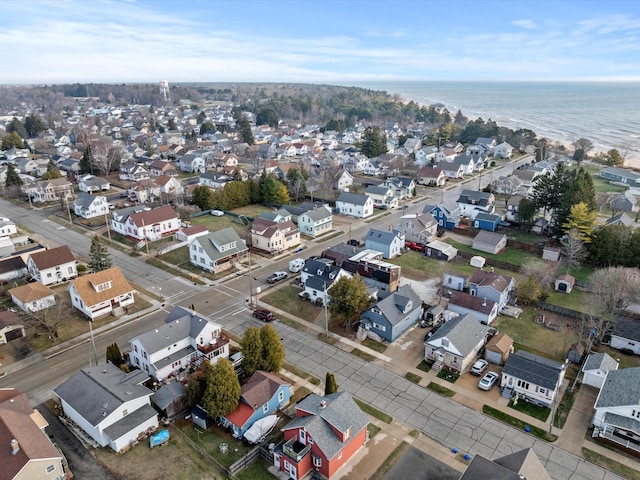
{"points": [[296, 265]]}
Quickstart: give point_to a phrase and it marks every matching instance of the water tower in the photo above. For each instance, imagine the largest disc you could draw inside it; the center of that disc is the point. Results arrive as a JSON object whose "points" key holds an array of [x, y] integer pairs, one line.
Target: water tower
{"points": [[164, 89]]}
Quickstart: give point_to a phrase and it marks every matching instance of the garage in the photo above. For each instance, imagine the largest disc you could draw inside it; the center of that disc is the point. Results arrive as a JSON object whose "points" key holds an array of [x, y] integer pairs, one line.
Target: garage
{"points": [[17, 332]]}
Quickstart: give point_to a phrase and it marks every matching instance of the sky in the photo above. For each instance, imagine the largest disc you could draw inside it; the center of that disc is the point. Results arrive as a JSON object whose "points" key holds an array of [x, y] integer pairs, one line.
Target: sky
{"points": [[317, 41]]}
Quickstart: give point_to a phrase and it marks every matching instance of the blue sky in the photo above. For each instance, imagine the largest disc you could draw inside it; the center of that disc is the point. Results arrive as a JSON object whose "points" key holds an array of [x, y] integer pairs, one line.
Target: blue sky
{"points": [[321, 41]]}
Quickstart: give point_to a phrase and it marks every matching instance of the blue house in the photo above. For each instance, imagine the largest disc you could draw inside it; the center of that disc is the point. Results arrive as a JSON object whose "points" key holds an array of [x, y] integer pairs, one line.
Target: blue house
{"points": [[262, 395], [620, 175], [487, 221], [393, 315], [390, 243], [447, 219]]}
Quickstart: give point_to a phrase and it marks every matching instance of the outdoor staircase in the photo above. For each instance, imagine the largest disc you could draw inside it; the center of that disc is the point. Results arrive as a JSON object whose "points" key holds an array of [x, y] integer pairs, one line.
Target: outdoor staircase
{"points": [[507, 392], [436, 367], [361, 334]]}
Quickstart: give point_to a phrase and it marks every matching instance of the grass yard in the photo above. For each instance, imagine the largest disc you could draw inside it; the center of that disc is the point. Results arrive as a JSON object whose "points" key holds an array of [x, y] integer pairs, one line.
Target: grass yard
{"points": [[376, 346], [603, 186], [258, 470], [363, 355], [287, 299], [519, 424], [218, 223], [525, 237], [625, 361], [510, 255], [573, 300], [535, 337], [598, 459], [180, 258], [373, 430], [412, 377], [439, 389], [535, 411], [582, 273], [424, 366], [374, 412]]}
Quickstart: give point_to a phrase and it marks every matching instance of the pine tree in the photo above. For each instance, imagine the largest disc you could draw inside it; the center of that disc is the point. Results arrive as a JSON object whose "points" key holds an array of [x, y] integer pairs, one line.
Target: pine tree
{"points": [[251, 346], [272, 349], [114, 355], [13, 178], [373, 142], [223, 391], [99, 258], [86, 162], [244, 129], [330, 385]]}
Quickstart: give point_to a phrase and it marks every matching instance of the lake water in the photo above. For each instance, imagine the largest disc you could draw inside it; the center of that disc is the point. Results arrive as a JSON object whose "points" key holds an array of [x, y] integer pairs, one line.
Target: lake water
{"points": [[607, 113]]}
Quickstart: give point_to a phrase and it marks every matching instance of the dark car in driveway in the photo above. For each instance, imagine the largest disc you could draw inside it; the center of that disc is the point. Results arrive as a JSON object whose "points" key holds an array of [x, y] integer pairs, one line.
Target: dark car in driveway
{"points": [[264, 315]]}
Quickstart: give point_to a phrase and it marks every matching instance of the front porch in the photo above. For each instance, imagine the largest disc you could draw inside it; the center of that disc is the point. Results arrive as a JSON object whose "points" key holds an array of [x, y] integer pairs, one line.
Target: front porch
{"points": [[619, 438]]}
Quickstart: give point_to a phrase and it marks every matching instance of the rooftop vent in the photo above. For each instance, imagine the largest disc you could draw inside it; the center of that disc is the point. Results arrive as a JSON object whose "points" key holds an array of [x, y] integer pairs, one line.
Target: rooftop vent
{"points": [[15, 446], [323, 404]]}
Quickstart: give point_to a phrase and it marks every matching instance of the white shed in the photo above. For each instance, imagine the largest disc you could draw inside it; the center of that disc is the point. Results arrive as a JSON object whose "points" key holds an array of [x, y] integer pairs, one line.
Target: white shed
{"points": [[477, 261], [596, 367]]}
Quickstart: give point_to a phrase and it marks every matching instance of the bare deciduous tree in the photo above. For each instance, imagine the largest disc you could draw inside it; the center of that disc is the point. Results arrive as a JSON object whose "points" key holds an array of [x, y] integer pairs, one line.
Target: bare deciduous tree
{"points": [[105, 155], [573, 249], [544, 272], [50, 319]]}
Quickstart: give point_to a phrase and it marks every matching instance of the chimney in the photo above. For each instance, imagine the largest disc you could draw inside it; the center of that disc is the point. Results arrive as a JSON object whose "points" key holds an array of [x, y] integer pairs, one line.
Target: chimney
{"points": [[15, 446], [323, 404]]}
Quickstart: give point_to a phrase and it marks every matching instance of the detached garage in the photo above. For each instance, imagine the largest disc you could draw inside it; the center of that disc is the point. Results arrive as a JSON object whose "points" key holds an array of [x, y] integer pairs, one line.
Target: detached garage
{"points": [[596, 367], [10, 327], [498, 349]]}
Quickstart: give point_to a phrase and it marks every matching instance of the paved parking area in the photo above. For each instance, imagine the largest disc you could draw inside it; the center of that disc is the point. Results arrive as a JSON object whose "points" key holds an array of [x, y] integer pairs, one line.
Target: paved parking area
{"points": [[429, 468]]}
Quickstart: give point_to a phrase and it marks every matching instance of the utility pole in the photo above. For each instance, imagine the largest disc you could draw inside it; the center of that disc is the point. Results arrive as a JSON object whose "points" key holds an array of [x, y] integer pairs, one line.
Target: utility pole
{"points": [[106, 220], [93, 343], [66, 199], [326, 312]]}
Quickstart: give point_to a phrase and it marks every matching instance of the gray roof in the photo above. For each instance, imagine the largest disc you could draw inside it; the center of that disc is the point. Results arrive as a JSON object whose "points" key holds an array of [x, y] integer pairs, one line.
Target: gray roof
{"points": [[316, 214], [481, 199], [167, 394], [376, 190], [325, 279], [628, 328], [180, 324], [599, 361], [622, 172], [385, 237], [129, 422], [393, 306], [482, 468], [620, 219], [353, 198], [213, 242], [488, 238], [84, 199], [340, 412], [489, 217], [97, 392], [463, 333], [533, 368], [621, 388], [621, 421]]}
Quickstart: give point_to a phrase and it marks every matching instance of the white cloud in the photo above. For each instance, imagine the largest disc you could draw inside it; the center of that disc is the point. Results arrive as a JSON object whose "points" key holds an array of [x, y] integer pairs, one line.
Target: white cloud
{"points": [[526, 24]]}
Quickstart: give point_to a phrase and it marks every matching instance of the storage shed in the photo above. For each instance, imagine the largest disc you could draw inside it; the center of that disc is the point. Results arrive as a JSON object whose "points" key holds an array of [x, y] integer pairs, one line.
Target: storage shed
{"points": [[477, 261], [498, 348], [576, 352], [564, 283], [596, 367]]}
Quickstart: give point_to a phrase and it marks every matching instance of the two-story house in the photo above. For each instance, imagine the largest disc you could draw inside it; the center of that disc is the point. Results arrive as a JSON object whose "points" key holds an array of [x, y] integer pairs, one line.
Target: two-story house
{"points": [[421, 228], [390, 243], [492, 286], [112, 407], [382, 197], [168, 185], [355, 205], [87, 205], [483, 309], [192, 163], [402, 187], [447, 218], [471, 202], [52, 190], [185, 339], [393, 315], [52, 266], [274, 236], [133, 171], [149, 224], [101, 293], [316, 221], [161, 167], [217, 251]]}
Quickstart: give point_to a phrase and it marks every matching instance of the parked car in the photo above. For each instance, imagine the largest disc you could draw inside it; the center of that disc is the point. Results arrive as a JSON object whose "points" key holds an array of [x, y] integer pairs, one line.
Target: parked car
{"points": [[418, 247], [276, 277], [264, 315], [217, 213], [488, 381], [479, 367]]}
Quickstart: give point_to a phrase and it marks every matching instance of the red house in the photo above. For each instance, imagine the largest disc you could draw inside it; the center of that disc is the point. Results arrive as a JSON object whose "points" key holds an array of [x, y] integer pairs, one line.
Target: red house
{"points": [[325, 434]]}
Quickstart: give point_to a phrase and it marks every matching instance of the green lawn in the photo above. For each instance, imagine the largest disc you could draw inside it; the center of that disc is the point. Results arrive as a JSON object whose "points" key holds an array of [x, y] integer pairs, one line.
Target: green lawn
{"points": [[439, 389], [510, 255], [603, 186], [373, 411], [412, 377], [180, 258], [517, 423], [535, 337], [626, 361], [287, 299], [258, 470], [535, 411], [376, 346], [574, 300], [525, 237]]}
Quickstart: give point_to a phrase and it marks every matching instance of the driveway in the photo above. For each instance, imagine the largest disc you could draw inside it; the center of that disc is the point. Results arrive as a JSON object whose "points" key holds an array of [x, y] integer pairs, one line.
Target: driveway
{"points": [[414, 461]]}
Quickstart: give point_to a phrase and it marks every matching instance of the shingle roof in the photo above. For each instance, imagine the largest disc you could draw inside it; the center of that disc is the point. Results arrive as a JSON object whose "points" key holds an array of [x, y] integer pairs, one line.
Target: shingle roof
{"points": [[628, 328], [85, 199], [156, 215], [500, 343], [382, 236], [392, 306], [599, 361], [463, 333], [482, 278], [472, 302], [52, 257], [488, 238], [130, 421], [353, 198], [621, 388], [84, 285], [533, 368], [31, 291], [168, 393], [213, 242]]}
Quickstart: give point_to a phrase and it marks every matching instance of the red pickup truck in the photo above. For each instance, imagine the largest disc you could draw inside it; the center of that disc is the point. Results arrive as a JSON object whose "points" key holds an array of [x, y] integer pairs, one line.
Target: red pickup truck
{"points": [[418, 247]]}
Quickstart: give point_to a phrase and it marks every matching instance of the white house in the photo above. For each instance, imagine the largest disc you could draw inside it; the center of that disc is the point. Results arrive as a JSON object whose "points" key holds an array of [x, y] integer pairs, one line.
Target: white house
{"points": [[343, 180], [186, 338], [192, 163], [532, 378], [101, 293], [626, 334], [217, 251], [110, 406], [149, 224], [316, 221], [87, 205], [382, 197], [472, 202], [483, 309], [503, 150], [7, 227], [355, 205], [133, 171], [489, 242], [318, 278], [91, 183], [49, 190], [169, 185], [33, 297], [596, 367], [53, 265]]}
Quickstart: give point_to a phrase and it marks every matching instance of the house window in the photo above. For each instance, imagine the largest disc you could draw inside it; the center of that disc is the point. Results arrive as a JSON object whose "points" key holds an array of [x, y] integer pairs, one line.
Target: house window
{"points": [[70, 269], [280, 396], [265, 408], [303, 437], [541, 390], [287, 466], [317, 461], [49, 275], [523, 384], [135, 347], [125, 412], [51, 469]]}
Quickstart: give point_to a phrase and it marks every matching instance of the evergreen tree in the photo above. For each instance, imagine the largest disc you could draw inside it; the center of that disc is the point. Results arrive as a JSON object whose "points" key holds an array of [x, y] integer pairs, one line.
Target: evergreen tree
{"points": [[52, 171], [330, 384], [373, 142], [99, 258], [251, 347], [86, 162], [13, 178], [272, 349], [267, 116], [114, 355], [197, 384], [12, 140], [34, 124], [204, 197], [244, 129], [16, 126], [222, 393], [273, 191]]}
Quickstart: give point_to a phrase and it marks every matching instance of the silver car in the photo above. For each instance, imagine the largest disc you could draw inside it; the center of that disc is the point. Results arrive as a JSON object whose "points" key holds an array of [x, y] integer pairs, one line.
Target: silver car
{"points": [[488, 381]]}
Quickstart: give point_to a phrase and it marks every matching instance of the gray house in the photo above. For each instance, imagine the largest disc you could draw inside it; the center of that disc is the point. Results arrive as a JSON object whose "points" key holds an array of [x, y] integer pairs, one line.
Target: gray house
{"points": [[516, 466], [394, 315], [620, 175], [315, 221], [390, 243], [421, 228]]}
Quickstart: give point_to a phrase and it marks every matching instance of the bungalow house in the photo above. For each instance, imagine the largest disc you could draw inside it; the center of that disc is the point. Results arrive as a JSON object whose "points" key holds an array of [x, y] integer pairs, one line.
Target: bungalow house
{"points": [[325, 434], [486, 142], [188, 234], [626, 334], [466, 162], [456, 344], [432, 177], [87, 205], [446, 218], [53, 265], [498, 348], [101, 293], [11, 326], [373, 168], [217, 251], [382, 197], [161, 167], [507, 184], [564, 283], [274, 237], [133, 172], [167, 185], [421, 228], [489, 242], [186, 339], [33, 297], [12, 268], [112, 407], [487, 221], [626, 201], [620, 175], [149, 224], [402, 187], [192, 163], [532, 378], [50, 190], [440, 250], [355, 205], [503, 150], [91, 183], [27, 165], [343, 180], [316, 221], [497, 288], [472, 202], [596, 367], [7, 227], [523, 464], [393, 315], [262, 395], [621, 219], [483, 309], [451, 170], [617, 409], [213, 180], [27, 453], [390, 243]]}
